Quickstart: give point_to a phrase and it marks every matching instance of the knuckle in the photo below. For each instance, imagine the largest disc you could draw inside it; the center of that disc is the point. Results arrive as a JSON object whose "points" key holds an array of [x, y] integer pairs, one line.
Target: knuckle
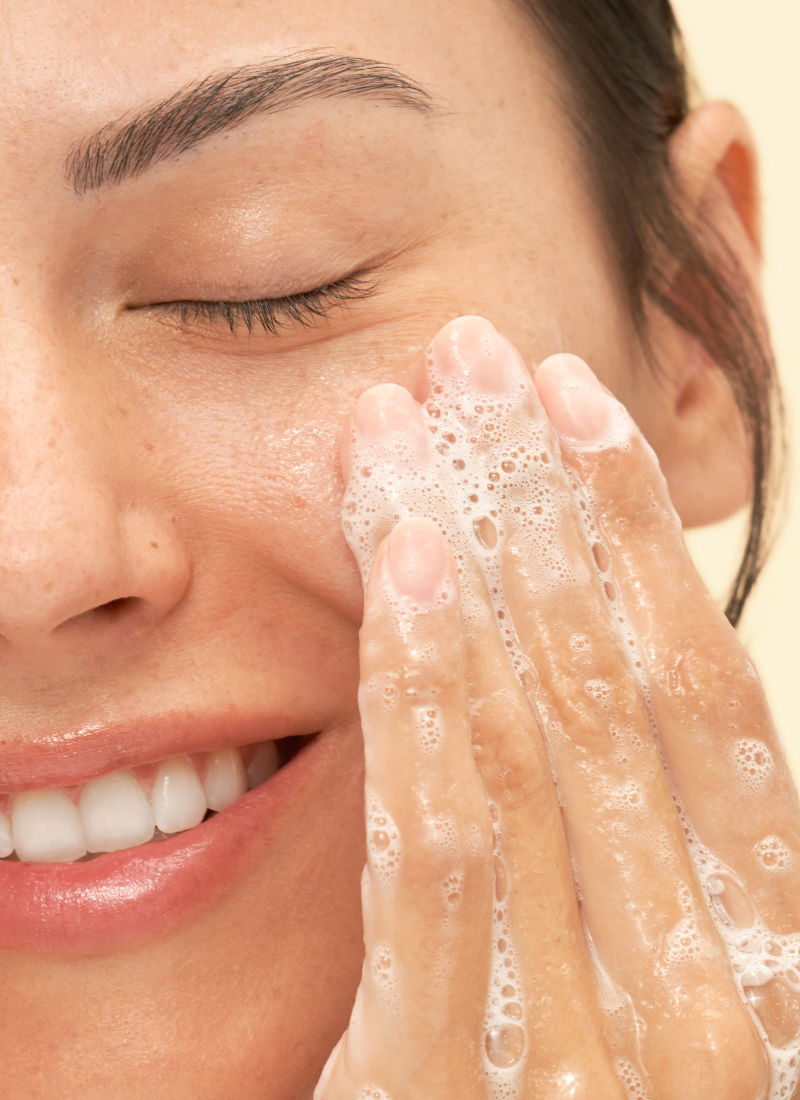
{"points": [[524, 782], [706, 653]]}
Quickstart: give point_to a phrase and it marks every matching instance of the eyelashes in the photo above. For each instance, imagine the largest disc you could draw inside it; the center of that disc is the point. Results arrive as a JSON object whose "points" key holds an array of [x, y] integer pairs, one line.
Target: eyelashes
{"points": [[304, 310]]}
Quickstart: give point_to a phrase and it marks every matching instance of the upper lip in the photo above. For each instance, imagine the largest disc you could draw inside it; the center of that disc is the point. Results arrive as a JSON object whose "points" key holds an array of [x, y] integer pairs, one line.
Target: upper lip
{"points": [[71, 757]]}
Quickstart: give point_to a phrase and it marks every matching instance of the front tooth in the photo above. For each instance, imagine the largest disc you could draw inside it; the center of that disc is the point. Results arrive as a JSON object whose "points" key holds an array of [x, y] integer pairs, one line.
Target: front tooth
{"points": [[6, 843], [46, 827], [115, 813], [179, 801], [263, 765], [225, 779]]}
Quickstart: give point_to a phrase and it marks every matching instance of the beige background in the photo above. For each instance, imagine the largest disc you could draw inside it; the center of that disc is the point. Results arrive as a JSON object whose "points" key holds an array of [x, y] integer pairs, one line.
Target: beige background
{"points": [[746, 51]]}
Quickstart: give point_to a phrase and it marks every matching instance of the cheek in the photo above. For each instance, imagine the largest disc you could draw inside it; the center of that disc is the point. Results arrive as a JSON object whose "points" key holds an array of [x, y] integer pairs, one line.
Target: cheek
{"points": [[255, 472]]}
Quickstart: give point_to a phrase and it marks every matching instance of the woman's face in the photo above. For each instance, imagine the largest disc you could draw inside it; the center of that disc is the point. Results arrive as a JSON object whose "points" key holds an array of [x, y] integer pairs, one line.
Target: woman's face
{"points": [[173, 578]]}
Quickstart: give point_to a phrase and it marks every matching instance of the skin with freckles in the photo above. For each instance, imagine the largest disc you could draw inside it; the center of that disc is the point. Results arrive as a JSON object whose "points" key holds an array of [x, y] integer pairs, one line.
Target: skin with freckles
{"points": [[170, 539]]}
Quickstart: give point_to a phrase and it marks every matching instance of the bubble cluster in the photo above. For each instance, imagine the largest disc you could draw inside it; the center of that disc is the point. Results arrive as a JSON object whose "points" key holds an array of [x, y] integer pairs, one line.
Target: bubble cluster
{"points": [[600, 691], [383, 843], [505, 1035], [629, 797], [754, 764], [632, 1082], [773, 854], [384, 978], [428, 727]]}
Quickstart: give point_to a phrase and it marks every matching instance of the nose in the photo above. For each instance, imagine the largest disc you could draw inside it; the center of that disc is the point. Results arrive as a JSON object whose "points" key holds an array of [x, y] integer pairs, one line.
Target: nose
{"points": [[83, 550]]}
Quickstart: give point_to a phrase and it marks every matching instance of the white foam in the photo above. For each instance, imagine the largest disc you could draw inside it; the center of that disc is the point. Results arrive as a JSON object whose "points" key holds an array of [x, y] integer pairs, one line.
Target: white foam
{"points": [[759, 957], [505, 1029]]}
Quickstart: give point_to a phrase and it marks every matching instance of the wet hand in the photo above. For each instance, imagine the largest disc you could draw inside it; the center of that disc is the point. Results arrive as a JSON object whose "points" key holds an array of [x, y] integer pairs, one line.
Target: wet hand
{"points": [[531, 612]]}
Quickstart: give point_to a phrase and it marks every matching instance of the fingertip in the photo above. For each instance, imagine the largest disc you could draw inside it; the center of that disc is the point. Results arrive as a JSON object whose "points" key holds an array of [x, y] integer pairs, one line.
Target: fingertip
{"points": [[564, 363], [384, 409], [471, 348], [577, 404]]}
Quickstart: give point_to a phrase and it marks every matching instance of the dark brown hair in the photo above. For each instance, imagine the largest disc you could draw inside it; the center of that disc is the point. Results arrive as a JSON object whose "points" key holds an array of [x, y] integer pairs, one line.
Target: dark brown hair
{"points": [[627, 90]]}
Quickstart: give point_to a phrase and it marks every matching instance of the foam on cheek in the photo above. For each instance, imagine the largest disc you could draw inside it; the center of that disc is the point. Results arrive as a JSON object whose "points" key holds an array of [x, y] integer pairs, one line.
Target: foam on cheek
{"points": [[483, 465]]}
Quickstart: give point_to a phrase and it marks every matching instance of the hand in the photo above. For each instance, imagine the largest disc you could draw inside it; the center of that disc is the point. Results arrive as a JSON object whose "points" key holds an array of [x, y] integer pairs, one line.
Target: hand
{"points": [[628, 929]]}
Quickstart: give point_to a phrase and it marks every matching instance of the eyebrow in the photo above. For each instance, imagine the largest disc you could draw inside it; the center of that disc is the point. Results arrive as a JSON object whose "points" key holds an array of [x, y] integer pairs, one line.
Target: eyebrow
{"points": [[126, 148]]}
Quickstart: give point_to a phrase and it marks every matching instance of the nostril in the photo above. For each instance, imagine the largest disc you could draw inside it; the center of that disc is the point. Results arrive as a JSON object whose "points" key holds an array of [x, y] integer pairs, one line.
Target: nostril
{"points": [[105, 612]]}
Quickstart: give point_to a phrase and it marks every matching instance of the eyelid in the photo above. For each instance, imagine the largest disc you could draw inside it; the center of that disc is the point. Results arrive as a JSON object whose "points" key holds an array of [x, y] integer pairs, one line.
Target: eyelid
{"points": [[272, 314]]}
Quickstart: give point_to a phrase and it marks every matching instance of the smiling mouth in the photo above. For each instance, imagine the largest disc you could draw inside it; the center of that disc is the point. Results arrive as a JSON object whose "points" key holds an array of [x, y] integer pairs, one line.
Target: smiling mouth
{"points": [[132, 807], [118, 832]]}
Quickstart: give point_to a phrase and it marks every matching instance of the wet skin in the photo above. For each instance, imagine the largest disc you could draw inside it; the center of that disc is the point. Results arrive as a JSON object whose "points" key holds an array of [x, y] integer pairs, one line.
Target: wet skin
{"points": [[469, 884], [189, 475]]}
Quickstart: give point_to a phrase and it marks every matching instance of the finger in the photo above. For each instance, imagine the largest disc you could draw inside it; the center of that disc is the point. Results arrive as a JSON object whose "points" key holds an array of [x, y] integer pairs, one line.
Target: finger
{"points": [[536, 914], [544, 961], [641, 899], [427, 891], [714, 725], [717, 735], [384, 446]]}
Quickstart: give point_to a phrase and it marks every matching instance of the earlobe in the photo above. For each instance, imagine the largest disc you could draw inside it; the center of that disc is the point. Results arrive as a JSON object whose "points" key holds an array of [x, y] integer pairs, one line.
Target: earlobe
{"points": [[703, 447]]}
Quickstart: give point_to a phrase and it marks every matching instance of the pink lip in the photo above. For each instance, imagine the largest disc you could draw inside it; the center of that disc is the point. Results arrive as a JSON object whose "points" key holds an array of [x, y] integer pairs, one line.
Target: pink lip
{"points": [[68, 759], [125, 895]]}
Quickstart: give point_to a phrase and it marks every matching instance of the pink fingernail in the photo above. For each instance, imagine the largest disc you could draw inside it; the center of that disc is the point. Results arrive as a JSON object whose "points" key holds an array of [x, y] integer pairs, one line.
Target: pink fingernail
{"points": [[416, 556], [473, 348], [385, 409], [575, 402]]}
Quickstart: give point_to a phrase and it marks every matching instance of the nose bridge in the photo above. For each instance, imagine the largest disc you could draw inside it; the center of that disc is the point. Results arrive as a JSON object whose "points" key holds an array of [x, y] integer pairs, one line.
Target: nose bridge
{"points": [[60, 535]]}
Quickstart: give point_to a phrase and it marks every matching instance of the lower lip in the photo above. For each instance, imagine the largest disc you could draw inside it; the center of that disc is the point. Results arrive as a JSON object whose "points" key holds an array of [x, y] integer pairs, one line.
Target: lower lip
{"points": [[124, 896]]}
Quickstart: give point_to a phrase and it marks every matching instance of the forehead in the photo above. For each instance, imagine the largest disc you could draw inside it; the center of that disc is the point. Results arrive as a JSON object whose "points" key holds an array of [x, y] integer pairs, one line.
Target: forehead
{"points": [[70, 66]]}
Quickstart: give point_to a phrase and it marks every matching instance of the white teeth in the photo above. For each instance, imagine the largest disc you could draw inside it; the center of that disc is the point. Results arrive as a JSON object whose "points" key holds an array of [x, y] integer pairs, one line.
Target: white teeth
{"points": [[6, 843], [115, 813], [179, 801], [263, 765], [225, 778], [47, 827]]}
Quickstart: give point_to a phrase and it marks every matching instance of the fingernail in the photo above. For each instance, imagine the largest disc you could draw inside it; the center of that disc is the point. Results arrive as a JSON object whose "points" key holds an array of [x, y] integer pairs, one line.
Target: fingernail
{"points": [[416, 556], [473, 348], [575, 402], [385, 409]]}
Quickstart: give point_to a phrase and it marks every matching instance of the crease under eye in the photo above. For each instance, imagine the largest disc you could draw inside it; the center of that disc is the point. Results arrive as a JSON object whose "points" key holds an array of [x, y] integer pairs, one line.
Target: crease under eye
{"points": [[305, 309]]}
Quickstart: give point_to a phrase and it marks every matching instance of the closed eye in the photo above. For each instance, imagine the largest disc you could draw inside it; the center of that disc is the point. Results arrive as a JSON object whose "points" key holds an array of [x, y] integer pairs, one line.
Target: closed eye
{"points": [[305, 309]]}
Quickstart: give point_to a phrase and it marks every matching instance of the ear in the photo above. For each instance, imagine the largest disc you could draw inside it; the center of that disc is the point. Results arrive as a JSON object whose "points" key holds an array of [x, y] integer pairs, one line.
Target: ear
{"points": [[689, 413]]}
